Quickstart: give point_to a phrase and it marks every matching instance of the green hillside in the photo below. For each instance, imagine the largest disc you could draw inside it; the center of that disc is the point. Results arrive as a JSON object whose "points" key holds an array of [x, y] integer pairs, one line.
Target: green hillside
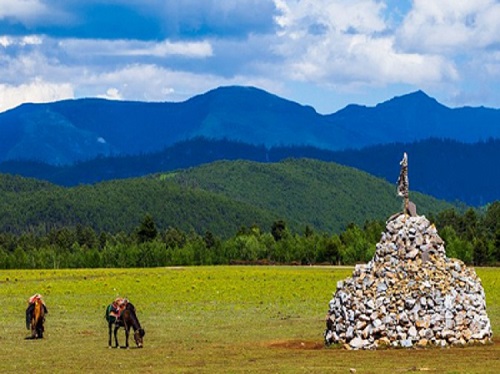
{"points": [[325, 195], [121, 205], [220, 197], [16, 184]]}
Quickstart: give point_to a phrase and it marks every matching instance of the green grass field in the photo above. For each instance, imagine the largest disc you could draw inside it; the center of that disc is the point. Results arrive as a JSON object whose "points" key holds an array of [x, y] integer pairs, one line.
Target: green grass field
{"points": [[207, 320]]}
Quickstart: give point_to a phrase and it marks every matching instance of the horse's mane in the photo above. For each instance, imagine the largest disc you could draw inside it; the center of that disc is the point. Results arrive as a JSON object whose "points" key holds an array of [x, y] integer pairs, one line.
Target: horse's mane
{"points": [[130, 306], [133, 316]]}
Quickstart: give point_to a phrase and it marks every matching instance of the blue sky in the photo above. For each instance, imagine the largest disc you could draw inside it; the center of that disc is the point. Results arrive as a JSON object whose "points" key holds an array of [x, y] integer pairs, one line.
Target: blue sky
{"points": [[323, 53]]}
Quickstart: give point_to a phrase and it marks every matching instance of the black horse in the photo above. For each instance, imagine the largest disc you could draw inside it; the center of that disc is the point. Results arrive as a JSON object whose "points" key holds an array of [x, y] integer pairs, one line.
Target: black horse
{"points": [[127, 319]]}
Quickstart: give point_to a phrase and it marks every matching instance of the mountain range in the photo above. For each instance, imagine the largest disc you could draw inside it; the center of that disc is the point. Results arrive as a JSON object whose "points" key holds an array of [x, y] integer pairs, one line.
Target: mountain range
{"points": [[69, 131], [453, 152]]}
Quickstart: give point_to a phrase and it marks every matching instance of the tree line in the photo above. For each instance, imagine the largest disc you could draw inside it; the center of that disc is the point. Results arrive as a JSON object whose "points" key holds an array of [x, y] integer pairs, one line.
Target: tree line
{"points": [[472, 236]]}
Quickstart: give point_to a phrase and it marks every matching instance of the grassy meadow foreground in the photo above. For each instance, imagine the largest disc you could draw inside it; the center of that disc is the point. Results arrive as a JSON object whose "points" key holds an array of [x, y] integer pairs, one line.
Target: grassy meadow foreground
{"points": [[207, 319]]}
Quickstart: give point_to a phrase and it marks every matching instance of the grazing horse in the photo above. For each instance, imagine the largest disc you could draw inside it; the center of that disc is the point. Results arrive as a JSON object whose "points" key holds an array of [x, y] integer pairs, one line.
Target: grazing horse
{"points": [[37, 320], [127, 319]]}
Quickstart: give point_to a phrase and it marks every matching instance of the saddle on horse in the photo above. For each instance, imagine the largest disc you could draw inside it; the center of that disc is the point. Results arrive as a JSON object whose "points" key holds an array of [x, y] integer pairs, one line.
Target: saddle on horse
{"points": [[115, 309]]}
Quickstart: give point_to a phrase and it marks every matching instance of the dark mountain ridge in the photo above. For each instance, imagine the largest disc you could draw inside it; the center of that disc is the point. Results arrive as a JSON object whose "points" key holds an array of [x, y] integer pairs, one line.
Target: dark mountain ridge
{"points": [[445, 169], [69, 131]]}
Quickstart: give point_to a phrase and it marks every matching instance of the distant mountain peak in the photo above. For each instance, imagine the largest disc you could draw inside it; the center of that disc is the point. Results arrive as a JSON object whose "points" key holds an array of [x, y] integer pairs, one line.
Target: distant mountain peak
{"points": [[419, 96], [418, 93], [250, 97], [240, 90], [244, 91], [416, 99]]}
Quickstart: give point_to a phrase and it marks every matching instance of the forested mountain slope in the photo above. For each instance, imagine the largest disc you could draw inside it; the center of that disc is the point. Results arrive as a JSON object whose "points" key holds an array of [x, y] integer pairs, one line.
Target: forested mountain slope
{"points": [[324, 194], [220, 197]]}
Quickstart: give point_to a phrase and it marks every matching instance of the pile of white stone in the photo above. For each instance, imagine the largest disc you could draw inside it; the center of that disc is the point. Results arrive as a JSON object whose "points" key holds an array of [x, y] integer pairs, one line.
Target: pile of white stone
{"points": [[409, 295]]}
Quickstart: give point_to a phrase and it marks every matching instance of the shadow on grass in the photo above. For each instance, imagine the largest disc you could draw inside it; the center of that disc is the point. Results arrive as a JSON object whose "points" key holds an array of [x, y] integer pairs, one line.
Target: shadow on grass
{"points": [[317, 345]]}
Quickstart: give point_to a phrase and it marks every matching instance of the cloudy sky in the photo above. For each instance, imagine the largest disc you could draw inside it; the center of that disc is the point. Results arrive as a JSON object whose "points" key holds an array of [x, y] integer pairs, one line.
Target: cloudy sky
{"points": [[324, 53]]}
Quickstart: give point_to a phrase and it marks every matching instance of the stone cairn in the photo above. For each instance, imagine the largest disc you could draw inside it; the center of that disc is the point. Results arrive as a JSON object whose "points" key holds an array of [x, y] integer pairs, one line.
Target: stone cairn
{"points": [[410, 294]]}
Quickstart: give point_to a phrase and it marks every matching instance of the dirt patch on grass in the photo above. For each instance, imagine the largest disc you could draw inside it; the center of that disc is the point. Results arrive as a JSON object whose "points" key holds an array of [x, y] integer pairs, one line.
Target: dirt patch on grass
{"points": [[87, 333], [296, 344]]}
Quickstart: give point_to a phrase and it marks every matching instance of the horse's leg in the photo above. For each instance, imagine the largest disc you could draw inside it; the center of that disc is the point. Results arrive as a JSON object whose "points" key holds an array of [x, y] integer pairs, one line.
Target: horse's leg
{"points": [[40, 329], [127, 332], [33, 329], [116, 335], [109, 333]]}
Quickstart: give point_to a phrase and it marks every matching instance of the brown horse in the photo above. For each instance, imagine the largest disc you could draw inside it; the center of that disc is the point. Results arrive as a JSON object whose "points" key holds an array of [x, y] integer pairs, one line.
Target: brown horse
{"points": [[127, 319], [37, 320]]}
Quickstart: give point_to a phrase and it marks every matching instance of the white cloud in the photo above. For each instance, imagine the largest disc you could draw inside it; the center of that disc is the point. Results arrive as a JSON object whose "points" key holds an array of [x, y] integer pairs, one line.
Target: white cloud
{"points": [[5, 41], [345, 43], [145, 82], [190, 49], [31, 40], [451, 26], [361, 16], [37, 91], [33, 13], [8, 41], [129, 48], [112, 94], [148, 82], [27, 67], [23, 10]]}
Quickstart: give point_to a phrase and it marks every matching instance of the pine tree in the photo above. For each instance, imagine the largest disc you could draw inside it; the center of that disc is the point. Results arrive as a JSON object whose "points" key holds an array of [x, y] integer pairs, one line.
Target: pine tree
{"points": [[147, 230]]}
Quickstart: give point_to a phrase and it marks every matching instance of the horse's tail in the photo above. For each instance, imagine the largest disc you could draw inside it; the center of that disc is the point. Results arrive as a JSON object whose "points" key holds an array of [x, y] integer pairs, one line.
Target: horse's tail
{"points": [[38, 312]]}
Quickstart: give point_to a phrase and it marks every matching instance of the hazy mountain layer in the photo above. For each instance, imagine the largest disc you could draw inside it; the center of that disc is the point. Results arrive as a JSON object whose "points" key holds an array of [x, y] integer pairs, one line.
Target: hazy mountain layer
{"points": [[445, 169]]}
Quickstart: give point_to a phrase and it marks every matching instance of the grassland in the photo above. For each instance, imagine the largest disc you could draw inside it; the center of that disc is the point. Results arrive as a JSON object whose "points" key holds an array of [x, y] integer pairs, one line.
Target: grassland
{"points": [[207, 320]]}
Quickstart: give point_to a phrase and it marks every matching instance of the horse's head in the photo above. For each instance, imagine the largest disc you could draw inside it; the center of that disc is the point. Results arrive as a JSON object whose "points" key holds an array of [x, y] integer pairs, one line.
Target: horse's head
{"points": [[139, 337]]}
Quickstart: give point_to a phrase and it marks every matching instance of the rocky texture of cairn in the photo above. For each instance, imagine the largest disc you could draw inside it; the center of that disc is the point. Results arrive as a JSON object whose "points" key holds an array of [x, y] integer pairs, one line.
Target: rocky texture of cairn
{"points": [[409, 295]]}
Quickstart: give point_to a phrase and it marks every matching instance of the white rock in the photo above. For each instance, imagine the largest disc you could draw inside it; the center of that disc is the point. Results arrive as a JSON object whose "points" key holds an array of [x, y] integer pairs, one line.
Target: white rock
{"points": [[358, 343]]}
